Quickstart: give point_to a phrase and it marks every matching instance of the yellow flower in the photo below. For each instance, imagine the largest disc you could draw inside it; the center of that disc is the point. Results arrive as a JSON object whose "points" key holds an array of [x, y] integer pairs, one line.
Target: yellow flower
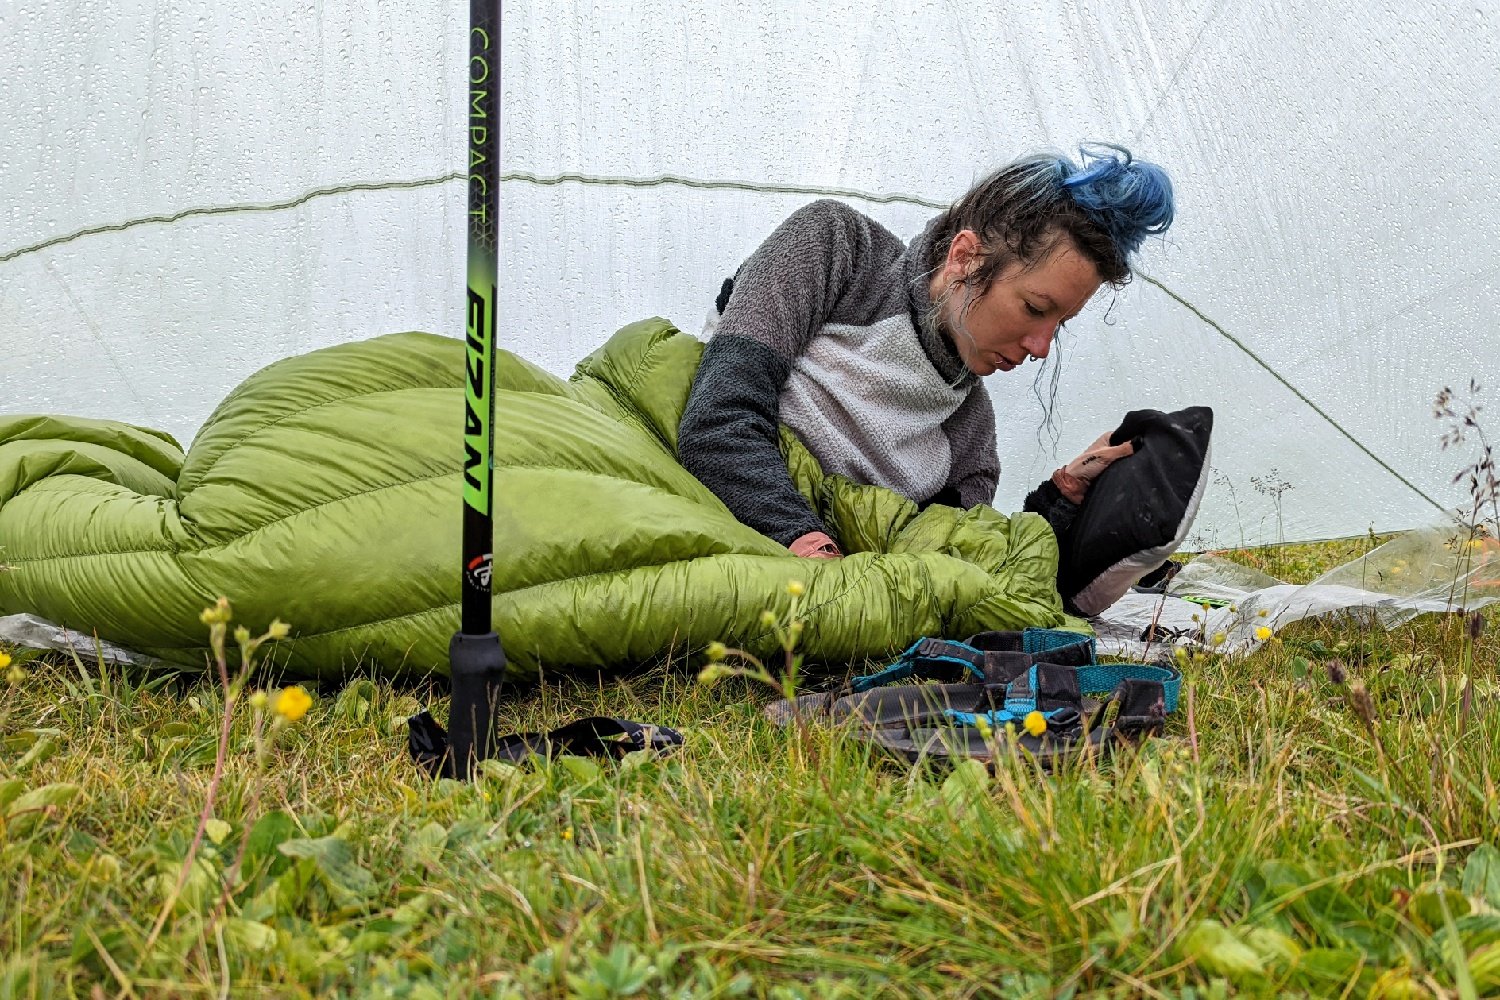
{"points": [[241, 635], [1218, 638], [278, 629], [219, 614], [796, 588], [1180, 654], [1035, 723], [292, 703], [4, 659], [567, 833], [716, 651], [768, 618], [1263, 633], [14, 676], [1263, 613], [986, 731], [258, 701]]}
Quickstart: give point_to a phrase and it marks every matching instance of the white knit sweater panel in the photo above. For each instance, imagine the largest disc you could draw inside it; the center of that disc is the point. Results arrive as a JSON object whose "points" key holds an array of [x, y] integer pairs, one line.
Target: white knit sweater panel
{"points": [[870, 406]]}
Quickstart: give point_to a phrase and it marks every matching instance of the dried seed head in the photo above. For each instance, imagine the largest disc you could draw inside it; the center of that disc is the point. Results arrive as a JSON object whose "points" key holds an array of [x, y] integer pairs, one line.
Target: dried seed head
{"points": [[1476, 626], [1361, 702], [1335, 668]]}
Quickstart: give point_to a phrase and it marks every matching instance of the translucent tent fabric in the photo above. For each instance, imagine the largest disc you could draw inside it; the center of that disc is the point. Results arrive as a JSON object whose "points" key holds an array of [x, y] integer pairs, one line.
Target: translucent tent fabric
{"points": [[193, 192]]}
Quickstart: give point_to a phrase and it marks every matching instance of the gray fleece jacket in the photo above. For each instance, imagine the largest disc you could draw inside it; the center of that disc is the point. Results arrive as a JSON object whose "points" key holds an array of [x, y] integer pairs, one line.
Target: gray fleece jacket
{"points": [[821, 329]]}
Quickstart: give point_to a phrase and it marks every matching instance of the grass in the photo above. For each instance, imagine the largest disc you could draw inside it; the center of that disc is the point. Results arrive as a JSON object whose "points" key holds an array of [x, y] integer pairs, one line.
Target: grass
{"points": [[1276, 841], [1302, 562]]}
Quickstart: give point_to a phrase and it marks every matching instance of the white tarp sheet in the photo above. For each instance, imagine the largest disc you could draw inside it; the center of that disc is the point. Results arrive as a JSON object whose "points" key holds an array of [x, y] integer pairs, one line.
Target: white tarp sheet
{"points": [[1333, 162], [1439, 569]]}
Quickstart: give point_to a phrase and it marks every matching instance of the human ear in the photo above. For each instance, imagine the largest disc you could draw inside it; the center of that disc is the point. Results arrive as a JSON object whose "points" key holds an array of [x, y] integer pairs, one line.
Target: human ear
{"points": [[963, 254]]}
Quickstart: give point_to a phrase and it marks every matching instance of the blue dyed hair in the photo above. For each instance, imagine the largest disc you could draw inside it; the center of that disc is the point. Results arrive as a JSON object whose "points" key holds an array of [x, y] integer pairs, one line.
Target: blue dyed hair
{"points": [[1107, 204], [1129, 200]]}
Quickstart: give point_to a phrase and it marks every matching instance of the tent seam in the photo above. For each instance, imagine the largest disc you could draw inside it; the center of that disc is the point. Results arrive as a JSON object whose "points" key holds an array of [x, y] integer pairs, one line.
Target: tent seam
{"points": [[660, 180]]}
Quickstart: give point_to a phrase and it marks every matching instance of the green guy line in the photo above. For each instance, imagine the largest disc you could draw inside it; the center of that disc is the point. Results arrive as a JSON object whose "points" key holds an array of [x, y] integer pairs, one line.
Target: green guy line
{"points": [[1292, 388], [662, 180], [188, 213], [673, 180]]}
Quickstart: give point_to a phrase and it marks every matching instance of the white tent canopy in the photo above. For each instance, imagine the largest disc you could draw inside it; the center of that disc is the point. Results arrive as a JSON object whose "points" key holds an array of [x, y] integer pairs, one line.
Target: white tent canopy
{"points": [[193, 192]]}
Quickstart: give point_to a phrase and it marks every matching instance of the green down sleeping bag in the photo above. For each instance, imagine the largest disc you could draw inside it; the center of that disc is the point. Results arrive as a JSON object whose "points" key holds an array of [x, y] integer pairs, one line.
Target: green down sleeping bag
{"points": [[325, 491]]}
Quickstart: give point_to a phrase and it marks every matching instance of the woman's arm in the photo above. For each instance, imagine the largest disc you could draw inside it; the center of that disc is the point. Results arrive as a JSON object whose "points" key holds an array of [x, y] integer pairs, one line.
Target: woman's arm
{"points": [[976, 468], [1059, 498], [728, 438], [782, 295], [1060, 512]]}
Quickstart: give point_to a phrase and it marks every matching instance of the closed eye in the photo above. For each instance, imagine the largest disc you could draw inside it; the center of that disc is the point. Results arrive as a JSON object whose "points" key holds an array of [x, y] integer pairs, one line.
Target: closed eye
{"points": [[1034, 311]]}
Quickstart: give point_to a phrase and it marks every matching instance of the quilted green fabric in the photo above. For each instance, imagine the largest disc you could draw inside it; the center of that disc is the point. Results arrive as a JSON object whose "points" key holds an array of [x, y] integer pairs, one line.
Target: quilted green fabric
{"points": [[325, 491]]}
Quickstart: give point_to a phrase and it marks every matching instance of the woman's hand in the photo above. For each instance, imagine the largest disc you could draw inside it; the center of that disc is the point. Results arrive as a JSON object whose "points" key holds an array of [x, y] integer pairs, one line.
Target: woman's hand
{"points": [[1074, 479], [816, 545]]}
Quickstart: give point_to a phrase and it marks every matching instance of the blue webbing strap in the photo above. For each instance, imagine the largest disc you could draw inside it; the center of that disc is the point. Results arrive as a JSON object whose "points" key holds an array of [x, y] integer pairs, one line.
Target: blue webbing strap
{"points": [[921, 657], [1105, 677], [1041, 640], [999, 717], [1020, 694]]}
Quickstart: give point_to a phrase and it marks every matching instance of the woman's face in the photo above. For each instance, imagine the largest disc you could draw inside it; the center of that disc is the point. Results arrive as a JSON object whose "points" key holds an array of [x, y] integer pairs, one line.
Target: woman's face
{"points": [[1016, 318]]}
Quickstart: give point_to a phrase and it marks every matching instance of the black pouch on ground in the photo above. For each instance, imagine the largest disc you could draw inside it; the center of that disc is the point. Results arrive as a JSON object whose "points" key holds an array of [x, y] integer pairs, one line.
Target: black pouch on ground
{"points": [[595, 736], [1139, 510]]}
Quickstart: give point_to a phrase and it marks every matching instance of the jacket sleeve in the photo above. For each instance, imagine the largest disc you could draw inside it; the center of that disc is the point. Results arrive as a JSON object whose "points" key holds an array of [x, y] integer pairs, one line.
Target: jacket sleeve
{"points": [[783, 293], [1060, 512]]}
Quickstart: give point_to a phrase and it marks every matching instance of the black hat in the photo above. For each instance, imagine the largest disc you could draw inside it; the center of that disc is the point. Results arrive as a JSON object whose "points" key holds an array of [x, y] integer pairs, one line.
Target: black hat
{"points": [[1139, 510]]}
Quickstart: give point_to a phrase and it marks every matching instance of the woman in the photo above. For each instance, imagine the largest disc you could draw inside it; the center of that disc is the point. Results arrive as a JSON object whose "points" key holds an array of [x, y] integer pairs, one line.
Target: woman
{"points": [[872, 351]]}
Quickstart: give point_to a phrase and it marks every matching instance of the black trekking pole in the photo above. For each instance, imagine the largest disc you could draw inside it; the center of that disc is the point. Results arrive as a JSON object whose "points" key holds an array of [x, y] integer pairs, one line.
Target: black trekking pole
{"points": [[475, 657]]}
